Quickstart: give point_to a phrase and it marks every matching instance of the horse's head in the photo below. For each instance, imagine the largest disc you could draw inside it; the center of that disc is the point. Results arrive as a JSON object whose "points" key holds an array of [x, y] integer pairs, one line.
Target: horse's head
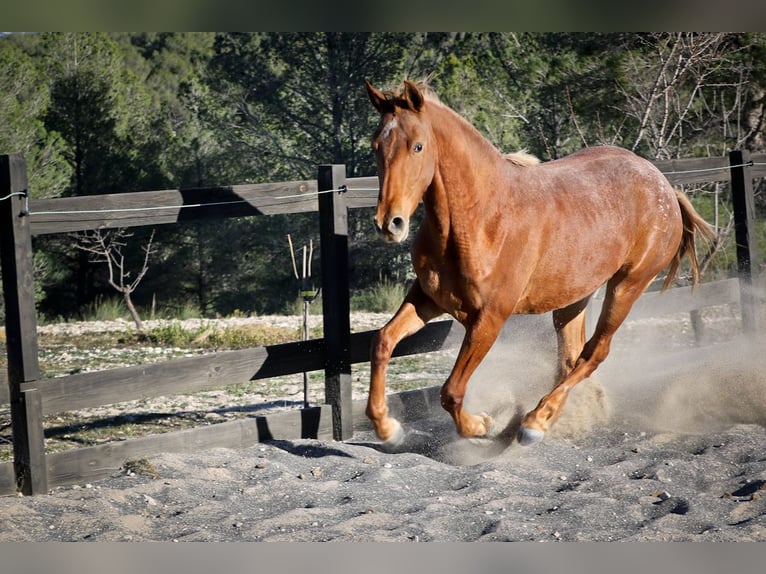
{"points": [[405, 153]]}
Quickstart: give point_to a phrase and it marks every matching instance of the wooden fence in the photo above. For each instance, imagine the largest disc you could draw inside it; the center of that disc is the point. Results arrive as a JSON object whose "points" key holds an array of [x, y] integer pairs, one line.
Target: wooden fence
{"points": [[331, 195]]}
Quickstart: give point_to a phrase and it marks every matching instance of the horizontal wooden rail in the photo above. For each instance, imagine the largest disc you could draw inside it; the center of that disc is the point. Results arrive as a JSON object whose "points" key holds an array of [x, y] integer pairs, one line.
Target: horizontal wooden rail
{"points": [[149, 208], [362, 192], [68, 214], [685, 299], [193, 374], [705, 169], [131, 209], [91, 463], [178, 376]]}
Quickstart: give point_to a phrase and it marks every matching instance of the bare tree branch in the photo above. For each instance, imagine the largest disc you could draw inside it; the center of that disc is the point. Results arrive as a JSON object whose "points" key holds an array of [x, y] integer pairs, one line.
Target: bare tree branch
{"points": [[106, 247]]}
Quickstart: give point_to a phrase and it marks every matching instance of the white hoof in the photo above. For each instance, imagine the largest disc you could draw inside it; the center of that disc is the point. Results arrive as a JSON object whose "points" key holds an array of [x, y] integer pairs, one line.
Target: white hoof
{"points": [[529, 436], [489, 425], [397, 438]]}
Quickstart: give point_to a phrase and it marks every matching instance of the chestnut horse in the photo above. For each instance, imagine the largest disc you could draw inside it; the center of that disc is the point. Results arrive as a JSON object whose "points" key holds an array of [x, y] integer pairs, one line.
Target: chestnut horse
{"points": [[507, 234]]}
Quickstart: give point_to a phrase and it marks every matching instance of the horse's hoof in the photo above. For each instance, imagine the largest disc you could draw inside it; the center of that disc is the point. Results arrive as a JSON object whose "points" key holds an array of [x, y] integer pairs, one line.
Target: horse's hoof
{"points": [[397, 437], [527, 436], [489, 425]]}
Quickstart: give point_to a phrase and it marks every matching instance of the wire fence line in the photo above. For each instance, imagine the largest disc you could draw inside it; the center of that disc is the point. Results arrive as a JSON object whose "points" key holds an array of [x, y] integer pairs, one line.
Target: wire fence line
{"points": [[706, 169], [14, 194], [282, 198], [278, 198]]}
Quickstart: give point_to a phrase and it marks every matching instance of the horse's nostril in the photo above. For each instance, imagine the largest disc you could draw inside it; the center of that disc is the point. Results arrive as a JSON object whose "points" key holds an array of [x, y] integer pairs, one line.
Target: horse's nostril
{"points": [[397, 224]]}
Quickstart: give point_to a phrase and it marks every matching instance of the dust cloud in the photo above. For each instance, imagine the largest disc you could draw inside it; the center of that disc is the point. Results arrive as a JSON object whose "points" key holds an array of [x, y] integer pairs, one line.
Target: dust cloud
{"points": [[657, 378]]}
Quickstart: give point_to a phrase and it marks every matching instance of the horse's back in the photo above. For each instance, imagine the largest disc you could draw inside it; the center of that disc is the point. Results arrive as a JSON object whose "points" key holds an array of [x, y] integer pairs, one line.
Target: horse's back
{"points": [[615, 163], [597, 211], [608, 185]]}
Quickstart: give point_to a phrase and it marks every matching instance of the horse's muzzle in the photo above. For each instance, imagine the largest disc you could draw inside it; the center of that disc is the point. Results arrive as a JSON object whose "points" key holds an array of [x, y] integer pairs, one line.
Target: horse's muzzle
{"points": [[395, 230]]}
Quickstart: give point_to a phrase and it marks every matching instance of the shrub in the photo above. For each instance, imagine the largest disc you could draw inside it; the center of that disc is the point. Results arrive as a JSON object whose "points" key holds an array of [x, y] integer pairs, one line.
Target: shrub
{"points": [[385, 297], [105, 309]]}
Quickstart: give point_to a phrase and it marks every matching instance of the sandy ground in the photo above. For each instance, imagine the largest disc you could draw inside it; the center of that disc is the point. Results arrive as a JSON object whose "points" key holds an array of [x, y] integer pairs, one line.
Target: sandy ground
{"points": [[664, 445]]}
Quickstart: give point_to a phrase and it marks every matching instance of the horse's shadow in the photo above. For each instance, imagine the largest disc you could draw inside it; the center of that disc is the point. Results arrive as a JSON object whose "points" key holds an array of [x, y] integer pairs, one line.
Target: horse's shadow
{"points": [[437, 439], [434, 438], [308, 450]]}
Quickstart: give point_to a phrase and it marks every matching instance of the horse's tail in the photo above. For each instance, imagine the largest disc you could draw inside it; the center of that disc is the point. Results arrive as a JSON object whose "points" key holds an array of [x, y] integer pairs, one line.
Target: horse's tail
{"points": [[693, 223]]}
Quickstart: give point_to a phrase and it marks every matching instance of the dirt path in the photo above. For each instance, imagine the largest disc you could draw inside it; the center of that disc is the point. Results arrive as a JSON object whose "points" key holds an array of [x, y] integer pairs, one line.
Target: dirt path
{"points": [[673, 450]]}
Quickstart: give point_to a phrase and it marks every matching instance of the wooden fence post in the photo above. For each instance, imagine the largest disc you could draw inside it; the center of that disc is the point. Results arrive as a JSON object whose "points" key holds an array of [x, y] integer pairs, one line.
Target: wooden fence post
{"points": [[748, 260], [333, 232], [21, 327]]}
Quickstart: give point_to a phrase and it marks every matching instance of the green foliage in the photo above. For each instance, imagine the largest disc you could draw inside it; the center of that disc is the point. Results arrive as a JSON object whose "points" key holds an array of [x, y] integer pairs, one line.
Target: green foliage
{"points": [[384, 297], [185, 310], [206, 337], [24, 99], [105, 309], [97, 113]]}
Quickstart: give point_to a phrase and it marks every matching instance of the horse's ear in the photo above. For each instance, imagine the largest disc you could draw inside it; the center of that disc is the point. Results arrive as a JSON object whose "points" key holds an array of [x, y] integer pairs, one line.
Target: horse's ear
{"points": [[377, 97], [413, 96]]}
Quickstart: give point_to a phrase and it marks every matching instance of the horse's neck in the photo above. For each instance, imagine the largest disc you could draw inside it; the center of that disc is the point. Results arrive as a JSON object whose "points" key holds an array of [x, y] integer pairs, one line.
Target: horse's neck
{"points": [[467, 174]]}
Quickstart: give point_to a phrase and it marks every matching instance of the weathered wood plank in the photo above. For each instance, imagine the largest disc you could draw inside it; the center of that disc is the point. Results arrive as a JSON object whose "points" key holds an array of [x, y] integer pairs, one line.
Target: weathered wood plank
{"points": [[7, 479], [20, 325], [445, 334], [362, 192], [34, 480], [186, 375], [333, 234], [759, 165], [695, 170], [91, 463], [133, 209], [685, 299], [706, 169], [171, 206], [204, 372]]}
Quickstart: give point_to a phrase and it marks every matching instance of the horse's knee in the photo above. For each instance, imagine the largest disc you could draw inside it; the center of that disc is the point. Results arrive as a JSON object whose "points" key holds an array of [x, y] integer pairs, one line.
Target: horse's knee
{"points": [[381, 348]]}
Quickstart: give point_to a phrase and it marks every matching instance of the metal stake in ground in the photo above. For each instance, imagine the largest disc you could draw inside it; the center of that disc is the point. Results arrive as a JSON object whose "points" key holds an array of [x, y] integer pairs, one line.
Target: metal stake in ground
{"points": [[308, 294]]}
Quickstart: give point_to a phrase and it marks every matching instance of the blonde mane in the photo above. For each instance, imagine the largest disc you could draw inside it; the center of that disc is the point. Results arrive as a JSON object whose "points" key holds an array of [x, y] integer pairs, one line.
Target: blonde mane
{"points": [[522, 158]]}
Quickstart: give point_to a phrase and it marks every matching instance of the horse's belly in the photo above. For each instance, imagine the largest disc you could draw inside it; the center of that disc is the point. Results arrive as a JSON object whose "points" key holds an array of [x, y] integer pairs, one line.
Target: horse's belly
{"points": [[564, 280], [544, 300]]}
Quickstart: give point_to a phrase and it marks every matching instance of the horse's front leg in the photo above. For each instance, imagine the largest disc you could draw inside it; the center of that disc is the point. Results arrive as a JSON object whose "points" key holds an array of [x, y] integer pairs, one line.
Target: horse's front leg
{"points": [[416, 310], [479, 337]]}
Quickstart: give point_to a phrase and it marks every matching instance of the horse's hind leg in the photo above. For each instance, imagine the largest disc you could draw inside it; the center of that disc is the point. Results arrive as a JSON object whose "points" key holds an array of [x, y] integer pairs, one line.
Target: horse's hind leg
{"points": [[569, 323], [621, 292]]}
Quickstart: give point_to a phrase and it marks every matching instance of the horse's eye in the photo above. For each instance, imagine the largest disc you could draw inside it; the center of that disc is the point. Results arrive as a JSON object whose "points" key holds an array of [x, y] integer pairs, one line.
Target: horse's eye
{"points": [[418, 147]]}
